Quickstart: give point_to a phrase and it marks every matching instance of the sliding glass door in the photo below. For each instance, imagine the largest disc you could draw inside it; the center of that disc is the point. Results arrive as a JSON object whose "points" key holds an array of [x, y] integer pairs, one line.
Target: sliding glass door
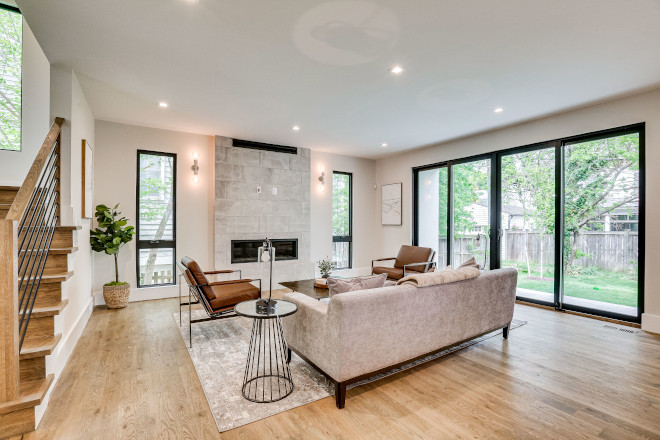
{"points": [[527, 221], [568, 215], [601, 224]]}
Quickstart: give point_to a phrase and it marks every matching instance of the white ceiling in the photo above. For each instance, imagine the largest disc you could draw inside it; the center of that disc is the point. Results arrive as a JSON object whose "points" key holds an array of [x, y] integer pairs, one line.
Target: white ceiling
{"points": [[253, 69]]}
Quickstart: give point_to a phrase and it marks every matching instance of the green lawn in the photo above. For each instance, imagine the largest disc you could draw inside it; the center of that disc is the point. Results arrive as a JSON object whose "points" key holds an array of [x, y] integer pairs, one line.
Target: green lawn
{"points": [[598, 285]]}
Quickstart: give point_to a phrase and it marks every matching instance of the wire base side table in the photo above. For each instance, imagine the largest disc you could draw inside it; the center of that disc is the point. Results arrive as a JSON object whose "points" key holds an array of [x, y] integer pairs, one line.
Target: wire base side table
{"points": [[267, 376]]}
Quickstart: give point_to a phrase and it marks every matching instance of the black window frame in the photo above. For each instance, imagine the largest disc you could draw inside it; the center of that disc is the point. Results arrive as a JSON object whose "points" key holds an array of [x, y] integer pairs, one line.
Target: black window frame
{"points": [[346, 238], [155, 244], [495, 219]]}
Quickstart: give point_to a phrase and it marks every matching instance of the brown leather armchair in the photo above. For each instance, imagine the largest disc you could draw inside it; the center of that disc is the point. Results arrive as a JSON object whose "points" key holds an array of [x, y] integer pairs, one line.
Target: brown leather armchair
{"points": [[410, 260], [218, 298]]}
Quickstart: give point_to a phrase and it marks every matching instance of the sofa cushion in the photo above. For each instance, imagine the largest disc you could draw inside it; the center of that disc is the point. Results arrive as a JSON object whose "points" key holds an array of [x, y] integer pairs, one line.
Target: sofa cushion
{"points": [[413, 254], [341, 285], [470, 263]]}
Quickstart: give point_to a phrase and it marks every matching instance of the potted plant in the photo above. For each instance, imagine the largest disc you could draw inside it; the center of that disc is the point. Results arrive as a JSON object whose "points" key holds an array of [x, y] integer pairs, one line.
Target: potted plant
{"points": [[325, 267], [109, 237]]}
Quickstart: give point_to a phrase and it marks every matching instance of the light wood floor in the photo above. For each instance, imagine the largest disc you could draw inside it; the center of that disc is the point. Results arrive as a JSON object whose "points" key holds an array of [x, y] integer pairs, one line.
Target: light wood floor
{"points": [[558, 377]]}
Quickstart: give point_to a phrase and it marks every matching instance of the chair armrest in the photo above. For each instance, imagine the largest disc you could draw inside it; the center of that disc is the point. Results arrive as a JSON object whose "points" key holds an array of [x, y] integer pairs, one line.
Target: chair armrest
{"points": [[381, 259], [222, 283], [428, 264]]}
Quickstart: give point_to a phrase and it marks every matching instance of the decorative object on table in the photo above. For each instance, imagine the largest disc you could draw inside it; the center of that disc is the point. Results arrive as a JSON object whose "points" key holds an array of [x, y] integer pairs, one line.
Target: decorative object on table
{"points": [[341, 285], [87, 179], [321, 283], [270, 379], [109, 240], [266, 254], [325, 267], [391, 212]]}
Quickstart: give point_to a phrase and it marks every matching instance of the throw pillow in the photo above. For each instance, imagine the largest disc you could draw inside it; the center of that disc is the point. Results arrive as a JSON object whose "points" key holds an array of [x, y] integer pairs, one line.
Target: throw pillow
{"points": [[341, 285], [470, 263]]}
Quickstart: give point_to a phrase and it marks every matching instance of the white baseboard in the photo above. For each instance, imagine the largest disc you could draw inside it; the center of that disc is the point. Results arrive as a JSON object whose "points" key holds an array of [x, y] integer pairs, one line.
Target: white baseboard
{"points": [[56, 362], [145, 294], [651, 323]]}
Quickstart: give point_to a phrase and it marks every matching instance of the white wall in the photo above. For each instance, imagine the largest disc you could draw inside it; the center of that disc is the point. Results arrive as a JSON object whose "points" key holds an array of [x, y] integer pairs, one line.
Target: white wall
{"points": [[14, 165], [115, 166], [366, 213], [643, 107], [68, 101]]}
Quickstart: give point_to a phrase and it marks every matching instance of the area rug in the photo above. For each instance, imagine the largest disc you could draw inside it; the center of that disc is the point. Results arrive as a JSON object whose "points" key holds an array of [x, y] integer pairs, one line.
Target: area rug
{"points": [[219, 350]]}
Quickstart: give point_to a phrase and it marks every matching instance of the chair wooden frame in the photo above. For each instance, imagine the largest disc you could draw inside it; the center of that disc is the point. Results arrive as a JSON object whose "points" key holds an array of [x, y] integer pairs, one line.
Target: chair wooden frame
{"points": [[195, 290]]}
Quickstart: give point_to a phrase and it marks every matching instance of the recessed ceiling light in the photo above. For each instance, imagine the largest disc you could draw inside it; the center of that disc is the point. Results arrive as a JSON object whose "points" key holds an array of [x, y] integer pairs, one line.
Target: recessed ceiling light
{"points": [[295, 128], [498, 110], [396, 70], [163, 104], [383, 144]]}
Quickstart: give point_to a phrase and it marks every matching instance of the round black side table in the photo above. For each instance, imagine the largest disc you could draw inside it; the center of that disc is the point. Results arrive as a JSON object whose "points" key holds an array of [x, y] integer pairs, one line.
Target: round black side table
{"points": [[267, 376]]}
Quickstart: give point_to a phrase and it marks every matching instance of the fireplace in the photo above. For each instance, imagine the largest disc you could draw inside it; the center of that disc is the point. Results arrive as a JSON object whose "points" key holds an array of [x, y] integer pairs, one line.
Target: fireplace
{"points": [[245, 251]]}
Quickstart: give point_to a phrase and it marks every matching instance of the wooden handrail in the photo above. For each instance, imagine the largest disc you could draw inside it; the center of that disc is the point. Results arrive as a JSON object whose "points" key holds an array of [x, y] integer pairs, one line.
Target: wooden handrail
{"points": [[24, 194]]}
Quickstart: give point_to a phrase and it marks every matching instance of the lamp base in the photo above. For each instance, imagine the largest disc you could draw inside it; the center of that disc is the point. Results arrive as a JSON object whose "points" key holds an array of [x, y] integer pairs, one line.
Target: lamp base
{"points": [[266, 306]]}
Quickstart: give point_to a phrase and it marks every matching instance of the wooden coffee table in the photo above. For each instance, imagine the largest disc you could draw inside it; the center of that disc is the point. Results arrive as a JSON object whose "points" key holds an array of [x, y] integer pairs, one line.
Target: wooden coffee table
{"points": [[306, 287]]}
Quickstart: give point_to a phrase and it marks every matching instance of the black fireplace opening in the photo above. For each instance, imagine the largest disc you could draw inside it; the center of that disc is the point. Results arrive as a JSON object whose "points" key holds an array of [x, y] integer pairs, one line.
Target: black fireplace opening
{"points": [[245, 251]]}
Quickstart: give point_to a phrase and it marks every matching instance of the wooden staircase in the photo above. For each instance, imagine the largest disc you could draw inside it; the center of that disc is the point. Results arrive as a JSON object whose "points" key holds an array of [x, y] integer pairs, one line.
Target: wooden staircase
{"points": [[24, 381]]}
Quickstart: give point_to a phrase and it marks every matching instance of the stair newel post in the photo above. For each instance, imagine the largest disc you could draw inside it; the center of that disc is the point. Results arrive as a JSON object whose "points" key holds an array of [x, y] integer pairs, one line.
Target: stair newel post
{"points": [[9, 356]]}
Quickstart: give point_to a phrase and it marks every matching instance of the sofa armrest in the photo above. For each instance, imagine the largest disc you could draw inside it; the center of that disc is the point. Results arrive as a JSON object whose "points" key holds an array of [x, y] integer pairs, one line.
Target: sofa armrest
{"points": [[308, 333]]}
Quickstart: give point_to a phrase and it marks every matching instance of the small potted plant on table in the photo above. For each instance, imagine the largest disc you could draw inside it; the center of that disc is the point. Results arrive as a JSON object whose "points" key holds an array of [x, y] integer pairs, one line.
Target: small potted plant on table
{"points": [[113, 235]]}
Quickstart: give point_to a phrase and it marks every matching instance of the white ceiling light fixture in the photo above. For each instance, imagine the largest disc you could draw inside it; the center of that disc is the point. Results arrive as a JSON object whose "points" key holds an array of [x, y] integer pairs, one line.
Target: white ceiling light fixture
{"points": [[498, 110], [163, 104], [397, 70], [383, 145], [296, 128]]}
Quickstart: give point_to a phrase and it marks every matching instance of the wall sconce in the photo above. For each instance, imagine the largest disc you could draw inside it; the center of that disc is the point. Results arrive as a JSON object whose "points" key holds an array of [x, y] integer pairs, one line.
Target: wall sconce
{"points": [[195, 169], [322, 179]]}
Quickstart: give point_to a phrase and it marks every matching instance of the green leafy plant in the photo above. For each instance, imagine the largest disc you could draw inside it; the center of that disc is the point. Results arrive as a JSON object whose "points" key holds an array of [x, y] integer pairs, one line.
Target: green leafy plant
{"points": [[111, 235], [325, 267]]}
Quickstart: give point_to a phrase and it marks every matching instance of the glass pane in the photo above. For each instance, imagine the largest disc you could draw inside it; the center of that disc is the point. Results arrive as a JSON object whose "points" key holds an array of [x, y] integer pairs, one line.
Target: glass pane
{"points": [[11, 55], [601, 214], [527, 242], [341, 218], [156, 266], [341, 254], [471, 223], [156, 204], [432, 212]]}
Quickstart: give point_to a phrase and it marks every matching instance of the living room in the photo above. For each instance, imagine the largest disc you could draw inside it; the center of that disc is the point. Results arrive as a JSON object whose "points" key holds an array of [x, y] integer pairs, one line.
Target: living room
{"points": [[339, 134]]}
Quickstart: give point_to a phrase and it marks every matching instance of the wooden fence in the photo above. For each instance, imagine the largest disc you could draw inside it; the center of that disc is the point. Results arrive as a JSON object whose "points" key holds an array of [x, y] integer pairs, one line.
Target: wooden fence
{"points": [[611, 251]]}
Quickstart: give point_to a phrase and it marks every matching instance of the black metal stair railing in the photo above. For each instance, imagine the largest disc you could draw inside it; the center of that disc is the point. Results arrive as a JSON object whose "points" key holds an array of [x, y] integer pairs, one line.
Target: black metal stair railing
{"points": [[35, 236]]}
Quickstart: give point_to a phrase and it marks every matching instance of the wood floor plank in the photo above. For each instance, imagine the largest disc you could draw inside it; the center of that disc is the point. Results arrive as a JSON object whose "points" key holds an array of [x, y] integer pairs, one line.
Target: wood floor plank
{"points": [[560, 376]]}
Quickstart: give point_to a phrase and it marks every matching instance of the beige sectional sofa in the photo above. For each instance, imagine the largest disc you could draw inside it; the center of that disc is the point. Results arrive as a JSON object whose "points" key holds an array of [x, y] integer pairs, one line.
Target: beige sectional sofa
{"points": [[361, 333]]}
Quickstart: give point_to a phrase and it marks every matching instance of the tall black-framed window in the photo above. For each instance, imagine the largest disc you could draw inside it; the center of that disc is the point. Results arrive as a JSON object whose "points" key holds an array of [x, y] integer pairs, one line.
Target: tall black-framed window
{"points": [[342, 220], [11, 59], [156, 225], [568, 214]]}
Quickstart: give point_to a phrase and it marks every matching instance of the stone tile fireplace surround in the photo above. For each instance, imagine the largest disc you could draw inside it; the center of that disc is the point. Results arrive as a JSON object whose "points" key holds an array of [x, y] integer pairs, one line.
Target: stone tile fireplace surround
{"points": [[280, 210]]}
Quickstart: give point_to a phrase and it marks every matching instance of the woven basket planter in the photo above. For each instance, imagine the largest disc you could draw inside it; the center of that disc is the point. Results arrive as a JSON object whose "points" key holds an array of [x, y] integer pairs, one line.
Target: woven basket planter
{"points": [[116, 297]]}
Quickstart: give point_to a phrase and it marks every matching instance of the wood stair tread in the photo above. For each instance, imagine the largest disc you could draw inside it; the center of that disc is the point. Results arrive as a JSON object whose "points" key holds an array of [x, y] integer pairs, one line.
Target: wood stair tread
{"points": [[9, 188], [60, 227], [32, 394], [36, 347], [55, 278], [51, 310]]}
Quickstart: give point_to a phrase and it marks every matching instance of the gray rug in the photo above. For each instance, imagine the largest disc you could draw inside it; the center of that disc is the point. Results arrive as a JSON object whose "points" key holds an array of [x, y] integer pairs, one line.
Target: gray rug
{"points": [[219, 352]]}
